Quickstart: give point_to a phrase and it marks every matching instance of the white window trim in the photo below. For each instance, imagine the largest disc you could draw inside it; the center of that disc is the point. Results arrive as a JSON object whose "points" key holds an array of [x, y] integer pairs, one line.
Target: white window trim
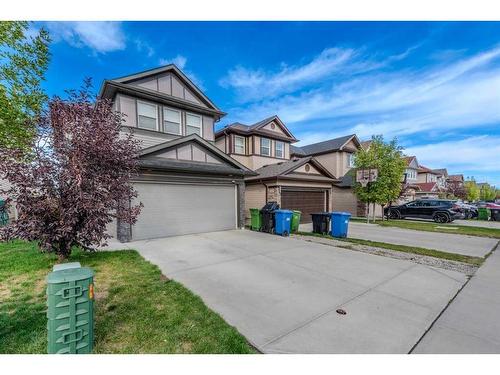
{"points": [[180, 119], [137, 112], [201, 122], [282, 149], [269, 148], [244, 145], [350, 160]]}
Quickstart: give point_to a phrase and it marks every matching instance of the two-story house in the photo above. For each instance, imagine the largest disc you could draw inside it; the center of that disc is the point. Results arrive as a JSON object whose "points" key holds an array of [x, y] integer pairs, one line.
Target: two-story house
{"points": [[442, 176], [337, 155], [302, 184], [186, 184]]}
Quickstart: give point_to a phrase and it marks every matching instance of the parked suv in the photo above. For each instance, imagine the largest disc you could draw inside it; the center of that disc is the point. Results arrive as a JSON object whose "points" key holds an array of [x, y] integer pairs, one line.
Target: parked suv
{"points": [[439, 210]]}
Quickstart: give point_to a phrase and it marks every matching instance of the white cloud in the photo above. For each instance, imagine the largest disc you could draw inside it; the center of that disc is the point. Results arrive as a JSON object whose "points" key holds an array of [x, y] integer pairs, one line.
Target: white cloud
{"points": [[145, 47], [179, 60], [99, 36], [460, 95], [331, 63]]}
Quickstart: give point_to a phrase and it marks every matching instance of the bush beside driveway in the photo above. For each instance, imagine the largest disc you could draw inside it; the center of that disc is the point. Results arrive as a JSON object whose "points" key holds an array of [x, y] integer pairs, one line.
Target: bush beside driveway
{"points": [[137, 310]]}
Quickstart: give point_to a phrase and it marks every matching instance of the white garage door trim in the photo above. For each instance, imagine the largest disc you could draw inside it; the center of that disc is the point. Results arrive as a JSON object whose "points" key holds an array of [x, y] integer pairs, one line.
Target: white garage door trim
{"points": [[176, 208]]}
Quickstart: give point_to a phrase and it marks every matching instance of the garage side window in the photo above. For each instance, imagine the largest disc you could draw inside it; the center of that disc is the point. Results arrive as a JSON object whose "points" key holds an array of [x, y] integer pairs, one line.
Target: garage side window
{"points": [[265, 146], [193, 124], [239, 145], [147, 116], [171, 121]]}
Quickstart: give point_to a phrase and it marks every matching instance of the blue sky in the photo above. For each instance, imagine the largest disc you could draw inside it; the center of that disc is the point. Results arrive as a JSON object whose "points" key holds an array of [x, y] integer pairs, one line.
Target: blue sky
{"points": [[433, 85]]}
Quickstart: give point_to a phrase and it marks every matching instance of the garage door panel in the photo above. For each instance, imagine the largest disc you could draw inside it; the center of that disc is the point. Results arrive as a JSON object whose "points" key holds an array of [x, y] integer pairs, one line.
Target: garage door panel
{"points": [[171, 210], [307, 202]]}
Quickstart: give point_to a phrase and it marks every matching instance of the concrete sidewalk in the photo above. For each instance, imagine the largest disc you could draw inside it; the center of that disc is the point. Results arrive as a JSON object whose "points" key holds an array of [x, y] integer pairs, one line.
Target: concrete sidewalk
{"points": [[471, 324], [451, 243]]}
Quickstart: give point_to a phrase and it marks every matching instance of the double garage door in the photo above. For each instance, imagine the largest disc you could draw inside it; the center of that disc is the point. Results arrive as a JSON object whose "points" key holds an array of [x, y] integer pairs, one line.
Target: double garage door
{"points": [[306, 201], [177, 209]]}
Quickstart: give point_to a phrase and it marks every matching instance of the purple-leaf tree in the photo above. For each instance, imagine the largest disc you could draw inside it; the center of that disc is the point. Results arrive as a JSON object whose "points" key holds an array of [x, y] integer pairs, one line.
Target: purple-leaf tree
{"points": [[76, 178]]}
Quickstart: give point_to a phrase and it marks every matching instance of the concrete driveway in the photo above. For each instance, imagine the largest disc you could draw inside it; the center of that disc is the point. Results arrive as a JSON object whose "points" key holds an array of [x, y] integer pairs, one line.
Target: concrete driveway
{"points": [[451, 243], [283, 293]]}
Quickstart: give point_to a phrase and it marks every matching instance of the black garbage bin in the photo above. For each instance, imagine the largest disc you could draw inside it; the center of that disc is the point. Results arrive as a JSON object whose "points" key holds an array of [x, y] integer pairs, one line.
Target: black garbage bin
{"points": [[268, 216], [321, 222], [495, 214]]}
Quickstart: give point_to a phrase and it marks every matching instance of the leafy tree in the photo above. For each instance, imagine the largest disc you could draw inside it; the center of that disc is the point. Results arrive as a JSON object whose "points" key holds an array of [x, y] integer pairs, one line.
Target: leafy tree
{"points": [[487, 192], [387, 159], [76, 179], [23, 62], [471, 190]]}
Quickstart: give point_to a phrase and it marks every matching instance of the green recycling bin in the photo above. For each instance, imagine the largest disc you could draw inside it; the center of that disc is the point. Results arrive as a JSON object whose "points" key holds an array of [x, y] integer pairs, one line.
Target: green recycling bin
{"points": [[483, 213], [256, 219], [70, 309], [294, 227]]}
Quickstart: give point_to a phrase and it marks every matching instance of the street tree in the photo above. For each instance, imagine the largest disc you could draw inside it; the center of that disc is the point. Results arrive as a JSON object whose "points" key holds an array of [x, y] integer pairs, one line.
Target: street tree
{"points": [[471, 190], [23, 61], [388, 160], [76, 178]]}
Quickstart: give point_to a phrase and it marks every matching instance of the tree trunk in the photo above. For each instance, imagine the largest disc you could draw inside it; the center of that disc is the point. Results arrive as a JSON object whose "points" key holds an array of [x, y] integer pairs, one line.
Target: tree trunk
{"points": [[368, 213], [373, 213]]}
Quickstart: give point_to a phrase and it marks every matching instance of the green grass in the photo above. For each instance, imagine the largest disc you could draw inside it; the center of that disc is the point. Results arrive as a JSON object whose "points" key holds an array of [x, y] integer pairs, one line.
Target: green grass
{"points": [[477, 261], [434, 227], [137, 310]]}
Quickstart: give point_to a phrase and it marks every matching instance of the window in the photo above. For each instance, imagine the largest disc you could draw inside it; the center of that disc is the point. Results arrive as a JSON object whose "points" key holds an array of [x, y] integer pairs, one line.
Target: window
{"points": [[239, 145], [350, 160], [193, 124], [265, 146], [279, 149], [147, 116], [171, 121]]}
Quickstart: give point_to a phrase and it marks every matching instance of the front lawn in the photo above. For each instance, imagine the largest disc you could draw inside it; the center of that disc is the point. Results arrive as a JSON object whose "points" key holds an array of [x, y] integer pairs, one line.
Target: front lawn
{"points": [[137, 309], [434, 227]]}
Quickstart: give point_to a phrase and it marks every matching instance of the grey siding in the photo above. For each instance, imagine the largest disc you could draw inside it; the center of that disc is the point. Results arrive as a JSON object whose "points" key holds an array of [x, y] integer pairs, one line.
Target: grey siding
{"points": [[128, 106], [169, 84]]}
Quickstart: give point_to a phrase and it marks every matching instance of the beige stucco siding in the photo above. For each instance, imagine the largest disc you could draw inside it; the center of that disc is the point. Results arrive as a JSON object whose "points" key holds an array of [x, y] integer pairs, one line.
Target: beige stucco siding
{"points": [[220, 143], [344, 200], [255, 197]]}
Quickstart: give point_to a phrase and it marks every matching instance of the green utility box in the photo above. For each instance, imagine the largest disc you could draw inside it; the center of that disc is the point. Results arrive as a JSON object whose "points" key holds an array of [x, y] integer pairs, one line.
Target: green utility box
{"points": [[70, 309], [483, 213], [256, 219], [294, 226]]}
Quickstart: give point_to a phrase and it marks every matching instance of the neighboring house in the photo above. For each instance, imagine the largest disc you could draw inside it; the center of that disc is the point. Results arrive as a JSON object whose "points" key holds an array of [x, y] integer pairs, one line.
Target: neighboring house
{"points": [[427, 190], [411, 171], [302, 184], [425, 175], [442, 176], [186, 184], [337, 155]]}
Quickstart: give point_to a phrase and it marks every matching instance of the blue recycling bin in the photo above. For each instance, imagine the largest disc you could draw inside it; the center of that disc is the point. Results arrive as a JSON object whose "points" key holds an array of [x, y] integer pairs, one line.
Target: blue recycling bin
{"points": [[340, 224], [283, 219]]}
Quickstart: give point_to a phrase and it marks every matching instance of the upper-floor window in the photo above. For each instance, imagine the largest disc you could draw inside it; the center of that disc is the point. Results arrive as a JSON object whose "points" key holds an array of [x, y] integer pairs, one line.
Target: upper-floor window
{"points": [[411, 174], [279, 149], [350, 160], [171, 121], [193, 124], [265, 147], [239, 145], [147, 116]]}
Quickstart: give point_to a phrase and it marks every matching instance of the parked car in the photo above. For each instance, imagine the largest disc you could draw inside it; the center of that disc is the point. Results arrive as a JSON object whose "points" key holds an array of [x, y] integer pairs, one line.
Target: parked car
{"points": [[469, 210], [439, 210]]}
